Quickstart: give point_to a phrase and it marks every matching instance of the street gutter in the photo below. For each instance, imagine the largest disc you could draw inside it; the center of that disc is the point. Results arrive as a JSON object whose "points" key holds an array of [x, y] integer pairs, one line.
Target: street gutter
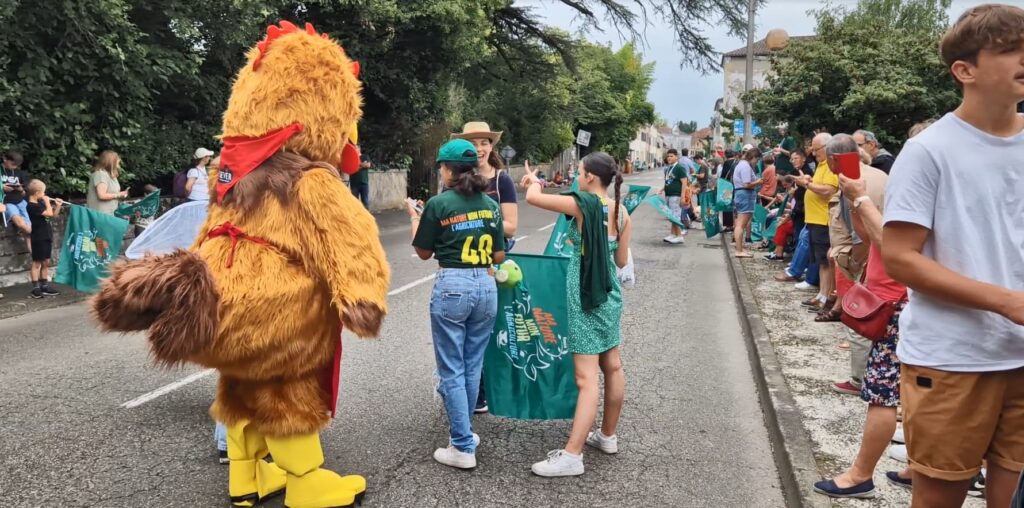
{"points": [[791, 444]]}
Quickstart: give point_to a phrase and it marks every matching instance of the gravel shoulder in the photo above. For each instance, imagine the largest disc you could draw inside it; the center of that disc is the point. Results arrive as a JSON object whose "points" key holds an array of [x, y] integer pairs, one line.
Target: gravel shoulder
{"points": [[811, 361]]}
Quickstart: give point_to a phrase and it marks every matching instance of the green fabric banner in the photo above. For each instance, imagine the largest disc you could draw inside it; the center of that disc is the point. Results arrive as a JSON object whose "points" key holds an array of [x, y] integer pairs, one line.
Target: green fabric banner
{"points": [[757, 230], [528, 369], [556, 242], [144, 208], [661, 206], [634, 197], [708, 214], [91, 241], [723, 199]]}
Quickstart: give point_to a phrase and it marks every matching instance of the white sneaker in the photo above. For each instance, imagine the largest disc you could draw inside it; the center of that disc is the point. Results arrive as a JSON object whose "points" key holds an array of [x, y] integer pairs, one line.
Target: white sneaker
{"points": [[898, 437], [669, 238], [476, 440], [898, 452], [676, 240], [803, 285], [559, 463], [602, 442], [451, 456]]}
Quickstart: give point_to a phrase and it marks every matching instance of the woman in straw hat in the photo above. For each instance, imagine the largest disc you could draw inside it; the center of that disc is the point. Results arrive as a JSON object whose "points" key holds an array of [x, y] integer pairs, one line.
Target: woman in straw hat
{"points": [[501, 188]]}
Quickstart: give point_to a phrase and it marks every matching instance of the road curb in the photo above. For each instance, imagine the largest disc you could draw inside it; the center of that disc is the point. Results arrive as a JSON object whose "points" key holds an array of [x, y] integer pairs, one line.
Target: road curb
{"points": [[791, 444]]}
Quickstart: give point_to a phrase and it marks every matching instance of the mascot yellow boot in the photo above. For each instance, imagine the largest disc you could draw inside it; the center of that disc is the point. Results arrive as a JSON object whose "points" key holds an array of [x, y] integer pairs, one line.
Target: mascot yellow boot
{"points": [[286, 258]]}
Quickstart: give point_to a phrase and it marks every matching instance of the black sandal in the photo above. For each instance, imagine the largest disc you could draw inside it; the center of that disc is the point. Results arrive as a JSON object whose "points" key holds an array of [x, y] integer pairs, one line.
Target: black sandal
{"points": [[829, 316]]}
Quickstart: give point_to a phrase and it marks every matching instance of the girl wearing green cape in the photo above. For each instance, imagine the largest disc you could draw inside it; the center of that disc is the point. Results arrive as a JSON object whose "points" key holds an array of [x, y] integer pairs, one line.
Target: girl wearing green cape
{"points": [[598, 242]]}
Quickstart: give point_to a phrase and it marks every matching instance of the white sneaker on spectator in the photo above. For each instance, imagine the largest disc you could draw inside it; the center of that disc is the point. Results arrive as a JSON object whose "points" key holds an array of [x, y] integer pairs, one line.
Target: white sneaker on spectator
{"points": [[898, 436], [668, 239], [803, 285], [559, 463], [607, 444], [676, 240], [898, 452], [451, 456]]}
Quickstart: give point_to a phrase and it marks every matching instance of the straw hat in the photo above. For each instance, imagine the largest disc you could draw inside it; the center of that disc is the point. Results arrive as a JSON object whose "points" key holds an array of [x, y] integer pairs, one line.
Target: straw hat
{"points": [[477, 130]]}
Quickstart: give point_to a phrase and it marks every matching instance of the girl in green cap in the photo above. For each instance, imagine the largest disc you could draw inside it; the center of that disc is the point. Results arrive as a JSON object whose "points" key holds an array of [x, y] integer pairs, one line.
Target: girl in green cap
{"points": [[462, 229], [599, 241]]}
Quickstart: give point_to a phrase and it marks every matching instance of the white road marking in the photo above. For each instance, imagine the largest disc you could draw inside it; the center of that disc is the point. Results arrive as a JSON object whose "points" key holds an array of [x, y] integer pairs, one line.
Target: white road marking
{"points": [[524, 237], [412, 284], [168, 388], [549, 226]]}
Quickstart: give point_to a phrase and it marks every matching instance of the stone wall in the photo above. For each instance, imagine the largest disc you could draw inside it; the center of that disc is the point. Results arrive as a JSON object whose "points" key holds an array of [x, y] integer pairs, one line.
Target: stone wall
{"points": [[15, 259], [388, 189]]}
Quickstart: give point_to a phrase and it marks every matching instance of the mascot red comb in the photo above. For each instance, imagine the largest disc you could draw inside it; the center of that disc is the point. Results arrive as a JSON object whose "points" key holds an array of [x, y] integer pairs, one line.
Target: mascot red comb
{"points": [[286, 257]]}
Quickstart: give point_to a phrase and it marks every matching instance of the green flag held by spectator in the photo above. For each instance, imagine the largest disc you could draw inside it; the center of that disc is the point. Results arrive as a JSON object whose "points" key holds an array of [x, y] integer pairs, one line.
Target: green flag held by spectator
{"points": [[145, 208], [92, 240], [723, 200], [708, 214], [661, 206], [556, 242], [632, 199], [528, 369]]}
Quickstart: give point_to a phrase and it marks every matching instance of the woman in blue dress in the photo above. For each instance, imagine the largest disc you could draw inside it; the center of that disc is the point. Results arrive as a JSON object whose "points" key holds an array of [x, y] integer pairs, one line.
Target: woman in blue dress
{"points": [[599, 238]]}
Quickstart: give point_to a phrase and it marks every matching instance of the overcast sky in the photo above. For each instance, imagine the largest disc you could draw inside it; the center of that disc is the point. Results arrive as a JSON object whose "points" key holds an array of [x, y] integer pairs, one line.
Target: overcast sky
{"points": [[685, 94]]}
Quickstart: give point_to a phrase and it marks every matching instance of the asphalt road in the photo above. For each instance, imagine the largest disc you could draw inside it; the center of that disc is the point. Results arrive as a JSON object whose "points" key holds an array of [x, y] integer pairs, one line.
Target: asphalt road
{"points": [[692, 431]]}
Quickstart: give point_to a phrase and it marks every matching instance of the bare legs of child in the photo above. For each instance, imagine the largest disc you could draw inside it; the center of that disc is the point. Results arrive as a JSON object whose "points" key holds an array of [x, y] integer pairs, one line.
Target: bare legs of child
{"points": [[569, 461]]}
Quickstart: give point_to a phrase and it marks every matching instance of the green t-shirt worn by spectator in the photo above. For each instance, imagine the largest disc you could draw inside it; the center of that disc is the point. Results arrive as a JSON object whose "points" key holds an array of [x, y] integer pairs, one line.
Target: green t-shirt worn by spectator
{"points": [[361, 177], [463, 232], [783, 166], [674, 182]]}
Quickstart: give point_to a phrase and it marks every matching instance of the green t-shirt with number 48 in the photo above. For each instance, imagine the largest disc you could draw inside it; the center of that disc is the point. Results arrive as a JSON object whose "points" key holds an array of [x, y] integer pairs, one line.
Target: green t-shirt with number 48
{"points": [[463, 232]]}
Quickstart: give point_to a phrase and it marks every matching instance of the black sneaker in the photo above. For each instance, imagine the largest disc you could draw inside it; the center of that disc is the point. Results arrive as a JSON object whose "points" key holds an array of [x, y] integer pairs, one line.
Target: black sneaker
{"points": [[36, 293], [977, 488], [481, 408], [222, 457], [49, 291]]}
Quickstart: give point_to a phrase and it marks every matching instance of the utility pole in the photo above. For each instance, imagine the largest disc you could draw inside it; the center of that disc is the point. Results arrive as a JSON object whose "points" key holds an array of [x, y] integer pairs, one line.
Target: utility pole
{"points": [[748, 124]]}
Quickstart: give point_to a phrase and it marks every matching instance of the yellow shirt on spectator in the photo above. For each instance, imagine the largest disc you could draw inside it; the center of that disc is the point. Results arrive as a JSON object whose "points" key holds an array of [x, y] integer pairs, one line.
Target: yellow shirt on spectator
{"points": [[815, 206]]}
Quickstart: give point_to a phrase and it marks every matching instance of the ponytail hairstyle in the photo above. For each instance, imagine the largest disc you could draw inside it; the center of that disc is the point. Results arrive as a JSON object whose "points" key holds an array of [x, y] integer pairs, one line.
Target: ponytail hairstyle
{"points": [[603, 166], [467, 181]]}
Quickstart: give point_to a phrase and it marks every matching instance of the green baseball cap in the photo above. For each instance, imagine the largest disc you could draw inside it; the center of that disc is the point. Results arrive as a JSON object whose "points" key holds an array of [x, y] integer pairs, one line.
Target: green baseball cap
{"points": [[457, 150]]}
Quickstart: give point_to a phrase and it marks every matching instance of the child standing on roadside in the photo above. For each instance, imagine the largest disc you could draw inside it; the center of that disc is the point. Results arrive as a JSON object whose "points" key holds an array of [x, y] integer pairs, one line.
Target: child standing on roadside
{"points": [[39, 213], [599, 236], [462, 229], [686, 204]]}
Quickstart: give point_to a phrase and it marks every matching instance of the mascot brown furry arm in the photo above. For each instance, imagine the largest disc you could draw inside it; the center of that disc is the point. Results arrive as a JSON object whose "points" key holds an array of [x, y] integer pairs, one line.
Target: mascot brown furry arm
{"points": [[286, 257]]}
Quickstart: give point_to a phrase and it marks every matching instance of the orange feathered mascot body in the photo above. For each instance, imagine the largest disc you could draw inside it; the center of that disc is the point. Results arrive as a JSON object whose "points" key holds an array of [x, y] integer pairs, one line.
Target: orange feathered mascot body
{"points": [[286, 257]]}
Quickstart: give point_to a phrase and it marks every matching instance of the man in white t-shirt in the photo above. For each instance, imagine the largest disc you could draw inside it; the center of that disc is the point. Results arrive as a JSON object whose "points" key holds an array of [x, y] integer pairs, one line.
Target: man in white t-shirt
{"points": [[954, 234]]}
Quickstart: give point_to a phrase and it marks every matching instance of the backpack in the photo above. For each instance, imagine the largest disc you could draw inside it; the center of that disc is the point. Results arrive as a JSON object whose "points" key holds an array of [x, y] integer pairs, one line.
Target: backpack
{"points": [[180, 179]]}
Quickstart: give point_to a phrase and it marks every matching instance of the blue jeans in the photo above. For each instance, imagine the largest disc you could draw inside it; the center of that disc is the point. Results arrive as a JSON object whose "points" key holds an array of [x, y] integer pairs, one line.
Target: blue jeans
{"points": [[802, 259], [463, 307], [362, 192], [220, 435]]}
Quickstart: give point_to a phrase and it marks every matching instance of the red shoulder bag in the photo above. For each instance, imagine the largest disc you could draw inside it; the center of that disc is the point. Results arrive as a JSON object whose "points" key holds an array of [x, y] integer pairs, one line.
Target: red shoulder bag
{"points": [[865, 313]]}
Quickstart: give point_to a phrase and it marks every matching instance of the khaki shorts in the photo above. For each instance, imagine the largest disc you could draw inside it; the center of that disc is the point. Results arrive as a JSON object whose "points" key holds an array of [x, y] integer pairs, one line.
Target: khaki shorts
{"points": [[953, 420]]}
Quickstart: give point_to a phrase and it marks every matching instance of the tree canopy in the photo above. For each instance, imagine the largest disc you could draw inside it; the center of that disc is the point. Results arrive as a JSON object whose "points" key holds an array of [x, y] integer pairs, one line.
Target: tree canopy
{"points": [[150, 78], [874, 67]]}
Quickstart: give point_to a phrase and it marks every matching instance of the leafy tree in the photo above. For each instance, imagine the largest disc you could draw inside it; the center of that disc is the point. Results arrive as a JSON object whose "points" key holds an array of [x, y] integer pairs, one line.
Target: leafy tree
{"points": [[875, 67], [150, 78], [687, 127]]}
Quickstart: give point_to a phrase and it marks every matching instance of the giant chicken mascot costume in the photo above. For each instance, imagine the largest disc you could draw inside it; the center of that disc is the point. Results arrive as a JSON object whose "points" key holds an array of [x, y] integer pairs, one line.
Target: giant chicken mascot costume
{"points": [[286, 257]]}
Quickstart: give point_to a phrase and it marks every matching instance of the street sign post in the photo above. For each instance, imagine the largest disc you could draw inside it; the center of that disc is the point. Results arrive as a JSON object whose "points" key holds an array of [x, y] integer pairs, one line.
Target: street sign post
{"points": [[508, 152], [738, 125], [583, 138]]}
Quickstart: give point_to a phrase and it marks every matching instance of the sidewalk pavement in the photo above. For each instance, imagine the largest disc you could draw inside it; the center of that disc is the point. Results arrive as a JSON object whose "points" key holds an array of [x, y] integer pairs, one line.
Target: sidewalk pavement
{"points": [[811, 361], [16, 300]]}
